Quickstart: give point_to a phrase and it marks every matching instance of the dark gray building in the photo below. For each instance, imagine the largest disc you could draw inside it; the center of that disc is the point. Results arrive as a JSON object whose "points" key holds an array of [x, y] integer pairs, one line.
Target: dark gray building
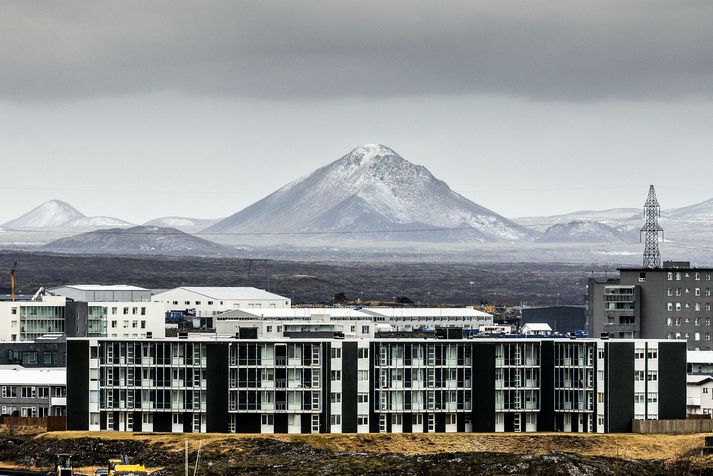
{"points": [[672, 302], [48, 351], [562, 319]]}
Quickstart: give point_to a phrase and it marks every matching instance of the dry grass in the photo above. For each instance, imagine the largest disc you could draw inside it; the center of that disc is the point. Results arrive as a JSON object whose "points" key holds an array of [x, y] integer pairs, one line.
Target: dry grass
{"points": [[627, 446]]}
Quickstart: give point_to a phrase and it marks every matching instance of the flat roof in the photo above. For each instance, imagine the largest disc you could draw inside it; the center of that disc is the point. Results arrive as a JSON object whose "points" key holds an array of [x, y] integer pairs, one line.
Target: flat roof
{"points": [[426, 312], [699, 356], [295, 313], [101, 287], [17, 374], [510, 338], [228, 293]]}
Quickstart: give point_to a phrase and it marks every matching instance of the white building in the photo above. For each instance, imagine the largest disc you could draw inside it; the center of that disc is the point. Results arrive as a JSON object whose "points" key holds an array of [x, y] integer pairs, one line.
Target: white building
{"points": [[61, 314], [699, 395], [700, 361], [536, 329], [33, 392], [209, 301], [273, 323], [413, 318]]}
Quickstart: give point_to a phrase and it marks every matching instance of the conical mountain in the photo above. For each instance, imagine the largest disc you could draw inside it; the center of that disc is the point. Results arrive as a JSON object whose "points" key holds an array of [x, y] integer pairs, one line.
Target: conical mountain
{"points": [[371, 190], [50, 214]]}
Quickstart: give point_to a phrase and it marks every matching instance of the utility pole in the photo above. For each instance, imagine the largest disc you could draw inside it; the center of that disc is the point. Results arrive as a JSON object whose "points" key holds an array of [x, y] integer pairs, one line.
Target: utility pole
{"points": [[651, 229]]}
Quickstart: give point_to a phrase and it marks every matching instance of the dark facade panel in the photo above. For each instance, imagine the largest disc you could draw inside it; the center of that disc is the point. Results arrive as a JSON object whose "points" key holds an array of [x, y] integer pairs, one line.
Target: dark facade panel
{"points": [[78, 385], [672, 375], [619, 411], [217, 387], [349, 387], [483, 387], [546, 418]]}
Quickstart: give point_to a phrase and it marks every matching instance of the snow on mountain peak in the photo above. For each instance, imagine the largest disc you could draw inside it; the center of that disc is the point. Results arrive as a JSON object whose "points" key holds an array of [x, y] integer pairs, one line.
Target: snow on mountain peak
{"points": [[371, 187], [49, 214]]}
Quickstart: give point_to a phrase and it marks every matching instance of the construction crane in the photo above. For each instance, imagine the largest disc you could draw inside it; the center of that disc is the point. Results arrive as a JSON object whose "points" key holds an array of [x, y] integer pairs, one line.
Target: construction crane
{"points": [[12, 278]]}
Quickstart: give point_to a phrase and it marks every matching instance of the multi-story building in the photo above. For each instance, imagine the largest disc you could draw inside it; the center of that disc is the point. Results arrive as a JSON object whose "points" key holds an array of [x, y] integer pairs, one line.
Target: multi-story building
{"points": [[672, 302], [53, 313], [32, 392], [309, 383], [205, 302]]}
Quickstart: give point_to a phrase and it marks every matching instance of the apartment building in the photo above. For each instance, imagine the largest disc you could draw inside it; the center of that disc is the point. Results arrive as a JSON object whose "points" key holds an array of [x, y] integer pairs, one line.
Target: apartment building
{"points": [[308, 383], [32, 392], [54, 313], [672, 302]]}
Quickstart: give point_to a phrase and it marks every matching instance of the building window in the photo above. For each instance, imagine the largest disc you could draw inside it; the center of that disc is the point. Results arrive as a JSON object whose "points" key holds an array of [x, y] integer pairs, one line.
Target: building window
{"points": [[697, 276], [653, 397], [363, 375], [335, 419], [652, 375], [669, 321], [669, 292], [364, 329], [708, 336], [678, 306], [113, 310], [697, 321], [363, 353], [669, 306], [198, 303], [362, 419], [336, 352], [697, 336], [336, 375], [362, 397], [678, 276], [639, 398], [336, 397], [639, 375], [652, 353]]}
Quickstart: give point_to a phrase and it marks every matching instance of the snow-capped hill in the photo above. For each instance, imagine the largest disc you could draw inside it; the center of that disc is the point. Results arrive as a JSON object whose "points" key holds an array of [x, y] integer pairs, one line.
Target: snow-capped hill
{"points": [[698, 211], [189, 225], [373, 189], [51, 214], [144, 240], [586, 232]]}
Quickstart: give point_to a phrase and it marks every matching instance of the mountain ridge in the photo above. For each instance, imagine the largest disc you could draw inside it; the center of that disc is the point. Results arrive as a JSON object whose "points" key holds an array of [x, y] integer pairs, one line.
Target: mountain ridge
{"points": [[371, 188]]}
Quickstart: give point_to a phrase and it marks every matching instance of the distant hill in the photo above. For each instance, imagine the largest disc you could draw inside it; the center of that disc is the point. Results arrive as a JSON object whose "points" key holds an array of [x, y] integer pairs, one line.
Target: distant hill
{"points": [[189, 225], [372, 190], [59, 215], [141, 240], [586, 232]]}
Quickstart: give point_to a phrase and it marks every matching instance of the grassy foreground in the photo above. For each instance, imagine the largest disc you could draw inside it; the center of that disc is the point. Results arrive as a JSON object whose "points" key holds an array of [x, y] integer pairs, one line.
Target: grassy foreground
{"points": [[489, 453]]}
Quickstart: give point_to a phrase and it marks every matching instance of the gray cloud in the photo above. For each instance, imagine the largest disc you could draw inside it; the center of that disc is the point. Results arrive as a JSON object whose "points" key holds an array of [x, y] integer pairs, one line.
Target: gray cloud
{"points": [[553, 50]]}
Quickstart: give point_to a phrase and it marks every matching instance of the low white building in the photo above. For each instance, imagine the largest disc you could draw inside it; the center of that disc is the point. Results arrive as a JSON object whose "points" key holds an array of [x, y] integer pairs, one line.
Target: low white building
{"points": [[699, 395], [413, 318], [700, 361], [209, 301], [273, 323], [536, 329], [33, 392]]}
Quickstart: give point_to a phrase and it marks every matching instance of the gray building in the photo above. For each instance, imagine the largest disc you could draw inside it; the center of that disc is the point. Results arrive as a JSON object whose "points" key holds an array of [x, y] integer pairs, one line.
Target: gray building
{"points": [[46, 351], [672, 302], [35, 392]]}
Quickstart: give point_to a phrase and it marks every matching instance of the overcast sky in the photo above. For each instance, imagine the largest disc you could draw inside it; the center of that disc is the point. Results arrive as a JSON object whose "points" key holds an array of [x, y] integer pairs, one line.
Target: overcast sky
{"points": [[146, 109]]}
